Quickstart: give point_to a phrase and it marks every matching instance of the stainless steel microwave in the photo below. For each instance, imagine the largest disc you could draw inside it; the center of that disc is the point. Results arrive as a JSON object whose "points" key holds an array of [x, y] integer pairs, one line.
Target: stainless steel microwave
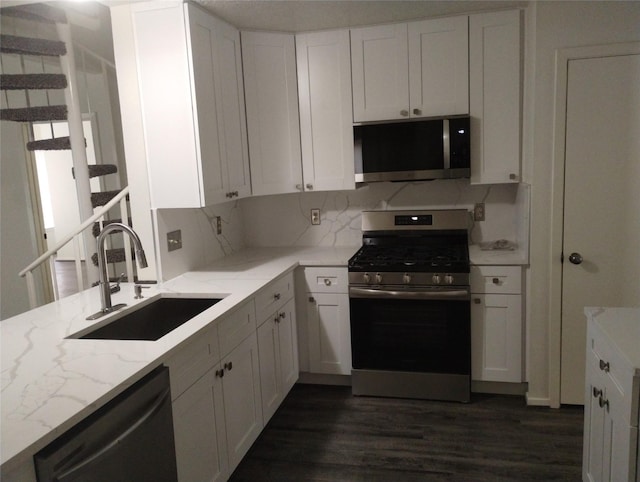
{"points": [[411, 151]]}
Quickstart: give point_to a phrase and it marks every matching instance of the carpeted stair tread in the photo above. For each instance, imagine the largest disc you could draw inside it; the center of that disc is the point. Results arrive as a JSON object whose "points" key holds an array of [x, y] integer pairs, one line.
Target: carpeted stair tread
{"points": [[102, 198], [39, 12], [96, 170], [35, 114], [97, 228], [12, 44], [55, 144], [32, 81], [115, 255]]}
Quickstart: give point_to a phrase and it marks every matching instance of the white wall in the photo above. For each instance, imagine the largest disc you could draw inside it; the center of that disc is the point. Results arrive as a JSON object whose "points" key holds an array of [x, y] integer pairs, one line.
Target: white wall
{"points": [[557, 25], [17, 234]]}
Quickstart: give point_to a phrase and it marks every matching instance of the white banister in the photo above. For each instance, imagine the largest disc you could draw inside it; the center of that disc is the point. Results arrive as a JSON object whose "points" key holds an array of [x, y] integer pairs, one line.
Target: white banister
{"points": [[121, 195]]}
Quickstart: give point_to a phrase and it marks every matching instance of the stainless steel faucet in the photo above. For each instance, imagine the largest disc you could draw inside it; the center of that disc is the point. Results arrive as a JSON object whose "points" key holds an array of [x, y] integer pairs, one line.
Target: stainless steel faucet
{"points": [[105, 287]]}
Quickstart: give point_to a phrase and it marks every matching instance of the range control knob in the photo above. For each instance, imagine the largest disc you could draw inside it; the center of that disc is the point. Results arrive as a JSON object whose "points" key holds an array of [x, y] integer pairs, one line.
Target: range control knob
{"points": [[448, 279], [406, 279], [435, 279], [366, 278], [378, 278]]}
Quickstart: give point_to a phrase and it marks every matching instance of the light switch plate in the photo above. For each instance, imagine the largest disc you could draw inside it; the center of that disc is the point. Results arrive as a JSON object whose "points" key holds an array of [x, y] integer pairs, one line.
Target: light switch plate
{"points": [[174, 240], [478, 212]]}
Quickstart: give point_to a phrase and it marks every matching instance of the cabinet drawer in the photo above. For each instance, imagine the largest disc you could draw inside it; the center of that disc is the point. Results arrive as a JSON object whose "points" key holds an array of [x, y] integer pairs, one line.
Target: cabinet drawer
{"points": [[192, 361], [616, 375], [274, 296], [496, 279], [326, 280], [236, 327]]}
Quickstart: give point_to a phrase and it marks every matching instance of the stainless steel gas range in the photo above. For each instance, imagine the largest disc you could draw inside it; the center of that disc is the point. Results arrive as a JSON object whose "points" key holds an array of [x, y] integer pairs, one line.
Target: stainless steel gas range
{"points": [[409, 303]]}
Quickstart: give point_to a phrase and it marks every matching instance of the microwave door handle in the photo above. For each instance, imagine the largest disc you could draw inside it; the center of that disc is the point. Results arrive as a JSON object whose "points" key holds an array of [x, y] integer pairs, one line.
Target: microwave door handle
{"points": [[460, 294], [446, 144]]}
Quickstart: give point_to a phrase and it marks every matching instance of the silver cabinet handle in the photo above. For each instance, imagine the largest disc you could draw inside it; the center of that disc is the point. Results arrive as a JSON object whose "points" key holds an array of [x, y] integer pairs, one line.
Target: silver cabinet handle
{"points": [[228, 366], [605, 366], [312, 299], [327, 282], [220, 373], [404, 112], [276, 296], [513, 176], [282, 315], [477, 301], [496, 281], [309, 186], [596, 392], [603, 402], [299, 187], [417, 112]]}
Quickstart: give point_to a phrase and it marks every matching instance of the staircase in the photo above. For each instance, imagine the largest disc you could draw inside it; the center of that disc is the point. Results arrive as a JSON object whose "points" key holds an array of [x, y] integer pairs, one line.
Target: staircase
{"points": [[31, 94]]}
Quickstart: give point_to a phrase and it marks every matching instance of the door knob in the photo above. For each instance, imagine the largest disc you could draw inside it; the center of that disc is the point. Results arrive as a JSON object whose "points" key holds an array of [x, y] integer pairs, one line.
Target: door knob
{"points": [[575, 258]]}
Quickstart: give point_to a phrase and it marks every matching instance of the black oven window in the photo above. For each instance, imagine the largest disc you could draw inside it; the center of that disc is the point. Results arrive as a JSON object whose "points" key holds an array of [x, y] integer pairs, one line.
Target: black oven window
{"points": [[407, 335]]}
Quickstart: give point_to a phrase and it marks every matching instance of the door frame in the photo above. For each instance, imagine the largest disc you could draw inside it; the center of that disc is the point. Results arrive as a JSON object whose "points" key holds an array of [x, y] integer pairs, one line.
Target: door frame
{"points": [[562, 58]]}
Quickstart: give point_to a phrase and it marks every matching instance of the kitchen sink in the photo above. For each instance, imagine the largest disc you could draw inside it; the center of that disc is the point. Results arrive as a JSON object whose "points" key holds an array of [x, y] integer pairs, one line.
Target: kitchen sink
{"points": [[151, 321]]}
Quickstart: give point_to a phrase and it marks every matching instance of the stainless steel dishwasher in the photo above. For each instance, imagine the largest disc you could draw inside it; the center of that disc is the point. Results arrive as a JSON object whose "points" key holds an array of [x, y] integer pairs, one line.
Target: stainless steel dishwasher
{"points": [[129, 439]]}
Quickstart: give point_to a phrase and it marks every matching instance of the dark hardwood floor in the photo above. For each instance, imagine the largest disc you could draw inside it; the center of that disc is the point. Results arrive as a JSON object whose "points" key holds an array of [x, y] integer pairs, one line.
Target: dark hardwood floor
{"points": [[323, 433]]}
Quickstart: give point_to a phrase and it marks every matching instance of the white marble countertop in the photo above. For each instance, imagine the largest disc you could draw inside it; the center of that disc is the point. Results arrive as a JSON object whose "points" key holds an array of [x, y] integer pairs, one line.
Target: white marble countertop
{"points": [[51, 382], [622, 327]]}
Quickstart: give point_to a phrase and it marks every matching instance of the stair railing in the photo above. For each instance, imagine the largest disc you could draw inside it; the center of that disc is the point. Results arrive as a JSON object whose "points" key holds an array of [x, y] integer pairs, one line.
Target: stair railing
{"points": [[76, 237]]}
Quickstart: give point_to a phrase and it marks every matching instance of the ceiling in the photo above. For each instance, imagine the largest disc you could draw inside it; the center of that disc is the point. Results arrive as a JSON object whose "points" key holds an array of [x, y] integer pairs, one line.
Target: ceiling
{"points": [[309, 15]]}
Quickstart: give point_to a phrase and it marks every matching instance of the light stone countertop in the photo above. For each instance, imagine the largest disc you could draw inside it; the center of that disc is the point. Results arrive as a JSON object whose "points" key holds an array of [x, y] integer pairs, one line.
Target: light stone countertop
{"points": [[50, 382], [622, 327]]}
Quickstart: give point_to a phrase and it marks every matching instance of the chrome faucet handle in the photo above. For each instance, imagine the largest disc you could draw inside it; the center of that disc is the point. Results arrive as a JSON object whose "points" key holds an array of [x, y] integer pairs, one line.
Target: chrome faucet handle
{"points": [[116, 287]]}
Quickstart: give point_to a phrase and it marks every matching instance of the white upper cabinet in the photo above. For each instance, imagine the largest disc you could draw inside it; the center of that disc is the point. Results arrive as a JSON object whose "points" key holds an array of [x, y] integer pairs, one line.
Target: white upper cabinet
{"points": [[413, 70], [495, 97], [439, 67], [326, 120], [380, 75], [271, 93], [190, 85]]}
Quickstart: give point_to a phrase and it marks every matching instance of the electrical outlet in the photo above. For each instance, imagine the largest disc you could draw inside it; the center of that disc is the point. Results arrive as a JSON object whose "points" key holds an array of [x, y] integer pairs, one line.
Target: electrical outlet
{"points": [[218, 225], [315, 216], [478, 212], [174, 240]]}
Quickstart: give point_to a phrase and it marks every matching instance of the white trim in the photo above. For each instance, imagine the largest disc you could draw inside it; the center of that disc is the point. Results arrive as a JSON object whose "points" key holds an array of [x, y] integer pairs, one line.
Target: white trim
{"points": [[563, 56]]}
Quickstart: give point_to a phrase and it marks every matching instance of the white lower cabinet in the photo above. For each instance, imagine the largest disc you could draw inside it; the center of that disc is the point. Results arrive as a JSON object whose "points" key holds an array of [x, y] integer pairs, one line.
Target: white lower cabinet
{"points": [[496, 323], [611, 449], [277, 347], [198, 423], [328, 331], [242, 399]]}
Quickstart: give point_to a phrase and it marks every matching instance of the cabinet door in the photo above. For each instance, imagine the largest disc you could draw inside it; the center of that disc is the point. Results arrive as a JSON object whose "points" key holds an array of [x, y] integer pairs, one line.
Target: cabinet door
{"points": [[288, 345], [329, 333], [326, 118], [380, 73], [270, 368], [242, 400], [271, 92], [495, 96], [496, 337], [592, 468], [198, 425], [233, 128], [439, 67]]}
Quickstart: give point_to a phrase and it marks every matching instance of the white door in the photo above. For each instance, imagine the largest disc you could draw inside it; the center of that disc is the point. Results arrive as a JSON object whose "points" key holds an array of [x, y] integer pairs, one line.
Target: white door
{"points": [[601, 204]]}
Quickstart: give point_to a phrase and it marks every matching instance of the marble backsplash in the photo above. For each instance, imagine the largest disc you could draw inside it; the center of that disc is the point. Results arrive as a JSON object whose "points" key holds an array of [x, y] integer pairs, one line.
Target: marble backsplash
{"points": [[284, 220]]}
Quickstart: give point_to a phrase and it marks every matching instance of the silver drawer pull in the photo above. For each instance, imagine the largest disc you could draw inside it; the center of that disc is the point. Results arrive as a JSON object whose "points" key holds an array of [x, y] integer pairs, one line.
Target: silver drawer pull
{"points": [[604, 366], [496, 281], [596, 392], [603, 402], [276, 296], [327, 282]]}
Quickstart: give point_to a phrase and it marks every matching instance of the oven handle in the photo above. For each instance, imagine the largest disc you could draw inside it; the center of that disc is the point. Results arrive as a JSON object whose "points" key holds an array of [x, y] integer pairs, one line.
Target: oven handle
{"points": [[420, 294]]}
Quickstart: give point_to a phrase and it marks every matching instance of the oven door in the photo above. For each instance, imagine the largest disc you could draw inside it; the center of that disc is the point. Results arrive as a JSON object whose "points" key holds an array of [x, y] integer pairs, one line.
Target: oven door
{"points": [[424, 329]]}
